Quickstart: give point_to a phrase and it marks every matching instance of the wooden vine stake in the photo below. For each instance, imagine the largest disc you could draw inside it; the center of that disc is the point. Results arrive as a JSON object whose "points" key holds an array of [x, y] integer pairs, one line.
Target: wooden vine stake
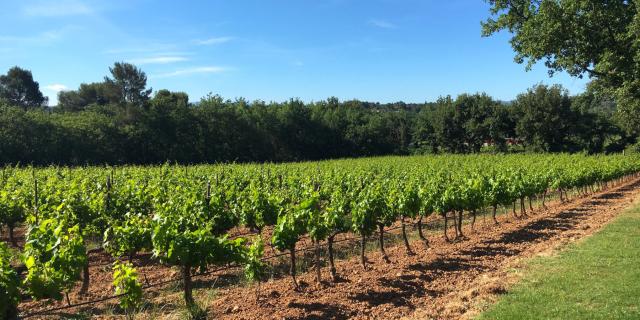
{"points": [[35, 194]]}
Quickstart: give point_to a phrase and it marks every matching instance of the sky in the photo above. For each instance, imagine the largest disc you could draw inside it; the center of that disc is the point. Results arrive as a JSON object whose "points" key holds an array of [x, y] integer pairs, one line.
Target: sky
{"points": [[272, 50]]}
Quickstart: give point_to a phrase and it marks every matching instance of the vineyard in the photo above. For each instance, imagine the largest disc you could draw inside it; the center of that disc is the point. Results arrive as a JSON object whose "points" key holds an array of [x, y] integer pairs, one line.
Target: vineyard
{"points": [[206, 218]]}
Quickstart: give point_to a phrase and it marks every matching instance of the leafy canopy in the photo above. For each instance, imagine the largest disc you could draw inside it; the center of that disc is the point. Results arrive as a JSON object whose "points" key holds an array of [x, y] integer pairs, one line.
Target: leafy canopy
{"points": [[131, 81], [18, 88], [599, 39]]}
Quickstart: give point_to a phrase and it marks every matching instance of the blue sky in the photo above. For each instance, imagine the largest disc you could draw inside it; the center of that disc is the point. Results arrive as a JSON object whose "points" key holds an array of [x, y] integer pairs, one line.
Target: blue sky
{"points": [[374, 50]]}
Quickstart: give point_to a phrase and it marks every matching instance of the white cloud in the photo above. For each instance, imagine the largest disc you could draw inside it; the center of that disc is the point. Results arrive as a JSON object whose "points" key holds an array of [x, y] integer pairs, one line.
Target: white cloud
{"points": [[213, 41], [56, 87], [158, 60], [191, 71], [58, 8], [148, 49], [44, 37], [382, 24]]}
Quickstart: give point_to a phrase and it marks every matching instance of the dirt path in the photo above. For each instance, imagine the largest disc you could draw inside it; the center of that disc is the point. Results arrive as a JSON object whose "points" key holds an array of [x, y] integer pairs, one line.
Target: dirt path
{"points": [[445, 282]]}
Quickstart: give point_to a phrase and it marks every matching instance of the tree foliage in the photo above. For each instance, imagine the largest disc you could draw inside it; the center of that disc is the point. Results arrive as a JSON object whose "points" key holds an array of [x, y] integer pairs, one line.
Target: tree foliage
{"points": [[18, 88], [130, 81], [544, 118], [100, 93], [96, 124], [598, 39]]}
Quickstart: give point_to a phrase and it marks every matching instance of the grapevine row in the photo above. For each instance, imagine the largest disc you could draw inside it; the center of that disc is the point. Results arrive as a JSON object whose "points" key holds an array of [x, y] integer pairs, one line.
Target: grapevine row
{"points": [[184, 215]]}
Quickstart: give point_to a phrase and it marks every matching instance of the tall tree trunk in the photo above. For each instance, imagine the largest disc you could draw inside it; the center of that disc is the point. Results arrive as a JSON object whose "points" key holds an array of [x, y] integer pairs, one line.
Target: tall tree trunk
{"points": [[363, 260], [530, 204], [292, 269], [561, 198], [332, 266], [515, 215], [381, 240], [404, 237], [544, 198], [523, 211], [187, 285]]}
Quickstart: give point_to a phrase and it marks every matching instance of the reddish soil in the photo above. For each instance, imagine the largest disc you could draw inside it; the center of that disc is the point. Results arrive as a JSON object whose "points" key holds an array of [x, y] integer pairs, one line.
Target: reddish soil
{"points": [[431, 282], [442, 282]]}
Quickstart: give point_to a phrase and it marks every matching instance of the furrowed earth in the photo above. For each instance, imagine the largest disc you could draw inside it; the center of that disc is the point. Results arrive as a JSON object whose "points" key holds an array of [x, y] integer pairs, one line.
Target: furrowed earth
{"points": [[446, 280]]}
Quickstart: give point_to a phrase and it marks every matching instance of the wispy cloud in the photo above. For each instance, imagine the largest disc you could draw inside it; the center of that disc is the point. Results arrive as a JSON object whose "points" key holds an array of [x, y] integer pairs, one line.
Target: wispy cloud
{"points": [[191, 71], [213, 41], [155, 49], [56, 87], [41, 38], [382, 24], [59, 8], [158, 60]]}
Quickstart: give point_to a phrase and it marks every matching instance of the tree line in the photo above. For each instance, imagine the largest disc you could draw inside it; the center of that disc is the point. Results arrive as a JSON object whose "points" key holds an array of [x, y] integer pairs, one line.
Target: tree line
{"points": [[120, 121]]}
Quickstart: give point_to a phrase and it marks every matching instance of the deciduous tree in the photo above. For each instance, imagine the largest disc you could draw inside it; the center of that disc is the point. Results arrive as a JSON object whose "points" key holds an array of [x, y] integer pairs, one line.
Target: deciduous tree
{"points": [[598, 39]]}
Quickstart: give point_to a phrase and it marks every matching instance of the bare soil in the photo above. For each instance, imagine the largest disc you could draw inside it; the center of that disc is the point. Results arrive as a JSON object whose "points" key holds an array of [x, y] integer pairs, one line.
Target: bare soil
{"points": [[448, 280]]}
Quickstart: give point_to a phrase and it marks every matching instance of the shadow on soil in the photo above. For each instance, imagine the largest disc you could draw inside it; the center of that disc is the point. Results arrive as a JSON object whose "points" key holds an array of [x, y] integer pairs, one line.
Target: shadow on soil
{"points": [[398, 291], [490, 249], [319, 311]]}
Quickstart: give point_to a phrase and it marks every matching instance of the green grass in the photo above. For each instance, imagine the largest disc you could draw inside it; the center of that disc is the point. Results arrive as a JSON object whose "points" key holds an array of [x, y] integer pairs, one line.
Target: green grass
{"points": [[598, 278]]}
